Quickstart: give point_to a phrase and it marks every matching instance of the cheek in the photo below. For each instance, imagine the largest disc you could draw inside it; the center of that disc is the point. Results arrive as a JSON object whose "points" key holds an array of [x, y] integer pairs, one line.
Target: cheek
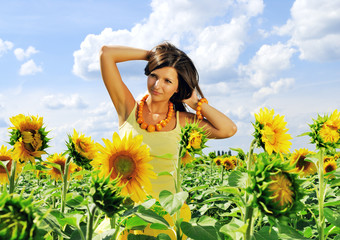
{"points": [[150, 82]]}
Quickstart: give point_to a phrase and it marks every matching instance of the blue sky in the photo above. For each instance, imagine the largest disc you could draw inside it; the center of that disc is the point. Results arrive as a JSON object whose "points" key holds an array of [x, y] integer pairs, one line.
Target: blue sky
{"points": [[284, 55]]}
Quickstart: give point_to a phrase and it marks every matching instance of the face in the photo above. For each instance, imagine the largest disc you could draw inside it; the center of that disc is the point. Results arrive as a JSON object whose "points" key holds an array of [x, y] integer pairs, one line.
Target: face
{"points": [[163, 83]]}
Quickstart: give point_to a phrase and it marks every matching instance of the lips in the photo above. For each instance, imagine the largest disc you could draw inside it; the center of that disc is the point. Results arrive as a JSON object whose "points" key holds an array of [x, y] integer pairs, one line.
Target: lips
{"points": [[155, 92]]}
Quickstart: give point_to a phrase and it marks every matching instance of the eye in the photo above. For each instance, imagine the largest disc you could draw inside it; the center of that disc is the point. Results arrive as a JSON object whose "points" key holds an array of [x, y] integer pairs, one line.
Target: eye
{"points": [[168, 81], [153, 75]]}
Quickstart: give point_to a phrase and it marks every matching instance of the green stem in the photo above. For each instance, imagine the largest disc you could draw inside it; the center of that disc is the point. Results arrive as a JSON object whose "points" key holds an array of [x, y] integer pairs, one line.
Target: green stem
{"points": [[12, 177], [116, 226], [248, 217], [178, 189], [211, 168], [321, 197], [64, 187], [90, 218], [222, 175]]}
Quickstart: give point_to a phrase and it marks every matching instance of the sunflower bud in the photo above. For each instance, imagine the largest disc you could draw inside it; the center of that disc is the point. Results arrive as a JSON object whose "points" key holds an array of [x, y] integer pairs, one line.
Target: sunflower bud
{"points": [[325, 131], [277, 192], [19, 218], [193, 139], [106, 195]]}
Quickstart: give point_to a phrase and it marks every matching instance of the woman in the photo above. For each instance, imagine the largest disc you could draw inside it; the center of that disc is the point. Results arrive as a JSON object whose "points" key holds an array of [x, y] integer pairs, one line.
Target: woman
{"points": [[172, 78], [172, 81]]}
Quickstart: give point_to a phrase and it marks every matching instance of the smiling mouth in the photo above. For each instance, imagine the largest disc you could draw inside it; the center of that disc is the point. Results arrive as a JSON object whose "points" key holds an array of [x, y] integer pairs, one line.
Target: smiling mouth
{"points": [[155, 92]]}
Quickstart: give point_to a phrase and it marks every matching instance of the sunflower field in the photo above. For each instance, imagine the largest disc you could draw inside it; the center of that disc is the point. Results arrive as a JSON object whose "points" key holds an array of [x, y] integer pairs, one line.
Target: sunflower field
{"points": [[102, 190]]}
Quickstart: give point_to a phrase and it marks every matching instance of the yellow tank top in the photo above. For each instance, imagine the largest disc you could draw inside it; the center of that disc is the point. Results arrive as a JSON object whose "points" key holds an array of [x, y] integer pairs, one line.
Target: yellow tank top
{"points": [[164, 148]]}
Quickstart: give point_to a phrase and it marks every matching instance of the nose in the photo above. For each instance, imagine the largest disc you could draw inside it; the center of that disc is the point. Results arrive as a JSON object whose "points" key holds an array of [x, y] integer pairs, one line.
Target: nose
{"points": [[157, 84]]}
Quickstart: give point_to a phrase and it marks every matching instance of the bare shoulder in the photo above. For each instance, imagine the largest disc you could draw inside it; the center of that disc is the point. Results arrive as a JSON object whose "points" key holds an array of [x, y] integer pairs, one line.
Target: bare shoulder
{"points": [[185, 117]]}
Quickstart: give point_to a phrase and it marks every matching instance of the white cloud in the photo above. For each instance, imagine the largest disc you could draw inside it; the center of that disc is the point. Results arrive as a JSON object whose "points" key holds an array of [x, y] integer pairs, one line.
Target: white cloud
{"points": [[22, 54], [241, 112], [29, 68], [215, 88], [62, 101], [267, 63], [204, 29], [5, 46], [314, 29], [274, 88], [223, 44]]}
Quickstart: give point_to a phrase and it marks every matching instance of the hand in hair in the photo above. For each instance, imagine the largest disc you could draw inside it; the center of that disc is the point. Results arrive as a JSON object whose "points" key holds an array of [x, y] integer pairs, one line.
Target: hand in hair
{"points": [[192, 101]]}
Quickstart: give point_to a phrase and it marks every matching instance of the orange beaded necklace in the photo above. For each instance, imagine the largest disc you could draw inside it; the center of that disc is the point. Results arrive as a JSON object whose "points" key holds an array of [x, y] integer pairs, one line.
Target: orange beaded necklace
{"points": [[151, 127]]}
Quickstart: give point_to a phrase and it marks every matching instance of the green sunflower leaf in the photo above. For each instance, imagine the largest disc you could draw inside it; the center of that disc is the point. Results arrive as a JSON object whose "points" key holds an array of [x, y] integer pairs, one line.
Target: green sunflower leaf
{"points": [[172, 202], [237, 179], [163, 236], [286, 231], [332, 216], [266, 233], [140, 237], [151, 217], [199, 232]]}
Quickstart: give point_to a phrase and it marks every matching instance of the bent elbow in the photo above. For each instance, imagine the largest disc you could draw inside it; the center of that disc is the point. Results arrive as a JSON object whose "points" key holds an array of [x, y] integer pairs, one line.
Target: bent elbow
{"points": [[231, 131], [103, 50]]}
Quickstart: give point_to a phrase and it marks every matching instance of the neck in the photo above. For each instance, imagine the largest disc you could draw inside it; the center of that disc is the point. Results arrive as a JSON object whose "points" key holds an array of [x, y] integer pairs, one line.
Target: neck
{"points": [[157, 107]]}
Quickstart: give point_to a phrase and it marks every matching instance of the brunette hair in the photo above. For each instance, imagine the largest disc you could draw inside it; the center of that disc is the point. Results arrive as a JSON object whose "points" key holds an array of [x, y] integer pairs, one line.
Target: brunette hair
{"points": [[167, 55]]}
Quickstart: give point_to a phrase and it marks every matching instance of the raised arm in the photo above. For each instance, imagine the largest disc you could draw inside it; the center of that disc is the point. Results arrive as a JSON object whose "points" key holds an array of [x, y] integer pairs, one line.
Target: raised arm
{"points": [[118, 91], [215, 123]]}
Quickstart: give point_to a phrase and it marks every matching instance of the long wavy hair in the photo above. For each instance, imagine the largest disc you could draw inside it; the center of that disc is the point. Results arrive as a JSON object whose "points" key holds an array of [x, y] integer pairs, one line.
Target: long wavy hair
{"points": [[167, 55]]}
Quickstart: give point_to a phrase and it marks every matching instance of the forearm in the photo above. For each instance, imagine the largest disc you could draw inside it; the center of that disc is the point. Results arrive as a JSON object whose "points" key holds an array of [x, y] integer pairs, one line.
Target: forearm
{"points": [[122, 53], [219, 125]]}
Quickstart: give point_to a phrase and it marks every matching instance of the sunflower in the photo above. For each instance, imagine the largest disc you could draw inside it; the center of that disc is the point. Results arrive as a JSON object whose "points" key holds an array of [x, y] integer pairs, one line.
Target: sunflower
{"points": [[277, 191], [6, 156], [59, 159], [229, 163], [187, 158], [29, 138], [325, 131], [330, 129], [127, 159], [82, 149], [302, 166], [270, 132], [329, 166], [218, 160], [76, 170]]}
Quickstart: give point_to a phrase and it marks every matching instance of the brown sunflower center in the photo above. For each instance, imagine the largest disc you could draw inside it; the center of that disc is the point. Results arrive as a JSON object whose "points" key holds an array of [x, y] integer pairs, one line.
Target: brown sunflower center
{"points": [[329, 168], [228, 165], [302, 164], [124, 166], [61, 164], [8, 165]]}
